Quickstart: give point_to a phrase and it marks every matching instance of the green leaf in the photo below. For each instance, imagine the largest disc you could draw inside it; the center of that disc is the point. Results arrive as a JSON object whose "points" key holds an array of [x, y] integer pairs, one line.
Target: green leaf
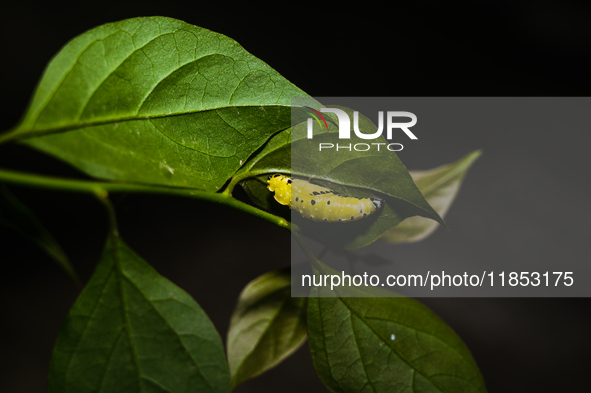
{"points": [[273, 157], [379, 172], [368, 339], [14, 214], [132, 330], [390, 344], [266, 327], [158, 101], [440, 187], [375, 173]]}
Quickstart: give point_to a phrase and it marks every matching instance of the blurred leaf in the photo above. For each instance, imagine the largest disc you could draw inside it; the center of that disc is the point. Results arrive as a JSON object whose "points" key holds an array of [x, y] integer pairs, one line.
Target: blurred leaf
{"points": [[440, 187], [14, 214], [158, 101], [266, 327], [132, 330]]}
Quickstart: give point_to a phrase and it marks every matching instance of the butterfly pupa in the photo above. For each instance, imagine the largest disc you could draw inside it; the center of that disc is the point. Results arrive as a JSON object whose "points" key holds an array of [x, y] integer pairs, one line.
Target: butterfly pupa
{"points": [[318, 203]]}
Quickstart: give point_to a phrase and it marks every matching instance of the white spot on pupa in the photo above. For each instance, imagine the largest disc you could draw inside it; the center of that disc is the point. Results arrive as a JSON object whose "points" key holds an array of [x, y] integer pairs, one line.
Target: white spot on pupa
{"points": [[392, 337], [240, 162]]}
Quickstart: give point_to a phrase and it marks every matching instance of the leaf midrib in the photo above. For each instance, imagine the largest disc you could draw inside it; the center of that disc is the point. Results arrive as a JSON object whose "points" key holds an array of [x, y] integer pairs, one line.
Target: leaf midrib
{"points": [[195, 363], [127, 325], [71, 127], [120, 275]]}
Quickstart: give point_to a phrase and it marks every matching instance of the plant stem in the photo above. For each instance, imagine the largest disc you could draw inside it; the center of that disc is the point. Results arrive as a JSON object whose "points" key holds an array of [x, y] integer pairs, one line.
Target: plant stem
{"points": [[243, 176], [8, 136], [252, 174], [97, 187]]}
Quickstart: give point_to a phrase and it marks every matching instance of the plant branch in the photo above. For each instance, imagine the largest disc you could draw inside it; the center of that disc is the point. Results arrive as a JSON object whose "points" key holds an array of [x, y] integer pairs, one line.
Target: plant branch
{"points": [[99, 188], [8, 136]]}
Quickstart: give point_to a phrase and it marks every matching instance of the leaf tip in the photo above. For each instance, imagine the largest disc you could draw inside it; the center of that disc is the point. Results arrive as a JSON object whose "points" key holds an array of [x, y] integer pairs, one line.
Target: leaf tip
{"points": [[469, 158]]}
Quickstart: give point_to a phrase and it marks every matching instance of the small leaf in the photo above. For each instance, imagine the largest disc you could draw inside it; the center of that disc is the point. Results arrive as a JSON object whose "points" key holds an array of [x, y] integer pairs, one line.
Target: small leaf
{"points": [[389, 345], [14, 214], [132, 330], [158, 101], [439, 187], [266, 327]]}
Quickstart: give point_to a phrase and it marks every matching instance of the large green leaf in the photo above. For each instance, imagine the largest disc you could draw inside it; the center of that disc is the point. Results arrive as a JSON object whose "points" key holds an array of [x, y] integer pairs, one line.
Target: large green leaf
{"points": [[375, 173], [266, 327], [367, 339], [440, 187], [389, 345], [156, 100], [14, 214], [132, 330]]}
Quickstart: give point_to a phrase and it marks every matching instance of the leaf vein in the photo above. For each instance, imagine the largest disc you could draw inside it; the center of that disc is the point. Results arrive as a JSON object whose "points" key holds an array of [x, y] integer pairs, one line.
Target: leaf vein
{"points": [[135, 50]]}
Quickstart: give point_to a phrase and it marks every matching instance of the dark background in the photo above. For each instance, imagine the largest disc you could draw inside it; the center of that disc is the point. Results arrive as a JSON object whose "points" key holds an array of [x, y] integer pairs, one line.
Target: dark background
{"points": [[500, 48]]}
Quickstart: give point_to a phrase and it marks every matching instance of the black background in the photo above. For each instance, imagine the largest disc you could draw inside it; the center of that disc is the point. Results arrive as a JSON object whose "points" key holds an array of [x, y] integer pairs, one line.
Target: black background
{"points": [[500, 48]]}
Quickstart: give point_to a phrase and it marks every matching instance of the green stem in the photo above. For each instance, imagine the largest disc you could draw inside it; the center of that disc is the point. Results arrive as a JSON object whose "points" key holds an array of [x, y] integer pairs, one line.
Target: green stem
{"points": [[103, 198], [99, 188], [239, 178], [252, 174], [8, 136]]}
